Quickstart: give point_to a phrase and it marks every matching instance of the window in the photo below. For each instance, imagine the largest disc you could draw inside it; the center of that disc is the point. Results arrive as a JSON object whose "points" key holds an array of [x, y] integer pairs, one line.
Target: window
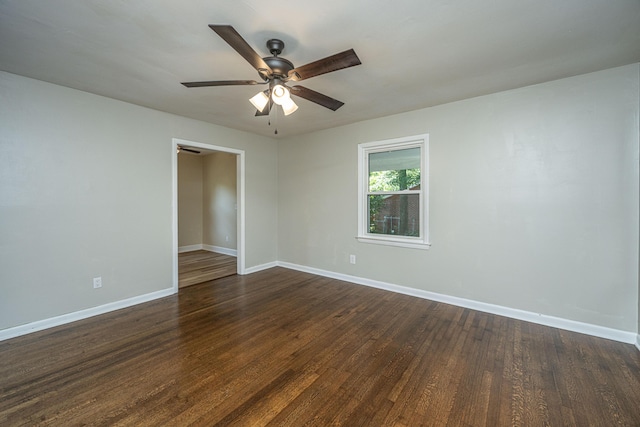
{"points": [[393, 191]]}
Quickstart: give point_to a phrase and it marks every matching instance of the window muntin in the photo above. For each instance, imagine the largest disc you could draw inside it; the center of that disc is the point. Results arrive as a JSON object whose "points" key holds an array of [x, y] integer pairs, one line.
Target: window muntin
{"points": [[392, 202]]}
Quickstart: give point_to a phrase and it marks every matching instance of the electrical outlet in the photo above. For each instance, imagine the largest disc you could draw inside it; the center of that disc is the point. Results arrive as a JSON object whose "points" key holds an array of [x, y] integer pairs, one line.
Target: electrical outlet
{"points": [[352, 259], [227, 238], [97, 282]]}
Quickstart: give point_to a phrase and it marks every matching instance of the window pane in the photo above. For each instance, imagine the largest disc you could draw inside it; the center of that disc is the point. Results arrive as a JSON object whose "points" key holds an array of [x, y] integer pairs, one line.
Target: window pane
{"points": [[397, 214], [395, 170]]}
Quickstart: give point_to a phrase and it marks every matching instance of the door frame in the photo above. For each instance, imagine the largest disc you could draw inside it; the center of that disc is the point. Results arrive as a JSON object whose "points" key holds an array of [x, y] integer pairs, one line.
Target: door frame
{"points": [[240, 194]]}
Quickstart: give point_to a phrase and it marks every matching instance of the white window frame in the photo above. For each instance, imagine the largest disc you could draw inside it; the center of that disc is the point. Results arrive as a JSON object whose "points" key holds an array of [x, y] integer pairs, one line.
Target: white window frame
{"points": [[364, 149]]}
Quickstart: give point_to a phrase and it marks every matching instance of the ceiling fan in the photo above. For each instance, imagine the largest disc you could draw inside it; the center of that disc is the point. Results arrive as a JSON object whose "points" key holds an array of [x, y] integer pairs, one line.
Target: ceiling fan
{"points": [[277, 71], [190, 150]]}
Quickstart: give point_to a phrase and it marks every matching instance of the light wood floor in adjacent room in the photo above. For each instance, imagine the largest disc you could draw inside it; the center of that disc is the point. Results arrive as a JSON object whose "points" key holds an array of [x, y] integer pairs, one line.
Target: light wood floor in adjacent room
{"points": [[285, 348], [201, 266]]}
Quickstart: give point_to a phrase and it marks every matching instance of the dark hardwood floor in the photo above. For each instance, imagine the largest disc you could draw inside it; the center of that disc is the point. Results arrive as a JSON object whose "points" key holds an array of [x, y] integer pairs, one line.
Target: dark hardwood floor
{"points": [[202, 266], [285, 348]]}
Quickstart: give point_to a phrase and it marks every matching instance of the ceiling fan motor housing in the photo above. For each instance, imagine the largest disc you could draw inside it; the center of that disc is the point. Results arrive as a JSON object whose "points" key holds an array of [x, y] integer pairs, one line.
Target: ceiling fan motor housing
{"points": [[279, 66]]}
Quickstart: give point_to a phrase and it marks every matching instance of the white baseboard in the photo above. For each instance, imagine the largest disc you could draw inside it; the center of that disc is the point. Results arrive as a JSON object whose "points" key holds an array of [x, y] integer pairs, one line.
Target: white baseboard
{"points": [[220, 250], [556, 322], [82, 314], [260, 267], [210, 248], [190, 248], [570, 325]]}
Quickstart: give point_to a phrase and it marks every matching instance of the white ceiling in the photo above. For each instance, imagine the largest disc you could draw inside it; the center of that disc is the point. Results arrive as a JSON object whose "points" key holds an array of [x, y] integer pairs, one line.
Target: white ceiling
{"points": [[414, 53]]}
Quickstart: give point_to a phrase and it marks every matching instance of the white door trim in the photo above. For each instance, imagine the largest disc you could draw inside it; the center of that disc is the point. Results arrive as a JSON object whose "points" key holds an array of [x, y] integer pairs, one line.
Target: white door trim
{"points": [[240, 189]]}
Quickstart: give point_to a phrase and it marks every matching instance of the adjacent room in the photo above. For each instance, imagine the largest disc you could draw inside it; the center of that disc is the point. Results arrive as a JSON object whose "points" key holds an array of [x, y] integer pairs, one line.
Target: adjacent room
{"points": [[207, 215], [416, 213]]}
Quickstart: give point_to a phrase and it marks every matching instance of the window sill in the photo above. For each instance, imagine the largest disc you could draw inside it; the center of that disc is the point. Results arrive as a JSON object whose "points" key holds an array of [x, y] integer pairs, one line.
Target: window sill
{"points": [[394, 242]]}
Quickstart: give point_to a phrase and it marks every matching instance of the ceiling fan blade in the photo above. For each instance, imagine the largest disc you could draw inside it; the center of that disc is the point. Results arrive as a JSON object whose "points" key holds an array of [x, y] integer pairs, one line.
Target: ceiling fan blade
{"points": [[235, 40], [181, 148], [221, 83], [345, 59], [317, 97]]}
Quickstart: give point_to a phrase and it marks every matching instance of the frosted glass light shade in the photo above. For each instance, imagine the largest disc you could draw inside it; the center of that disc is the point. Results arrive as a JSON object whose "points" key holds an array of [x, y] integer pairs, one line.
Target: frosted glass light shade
{"points": [[280, 94], [259, 101], [289, 107]]}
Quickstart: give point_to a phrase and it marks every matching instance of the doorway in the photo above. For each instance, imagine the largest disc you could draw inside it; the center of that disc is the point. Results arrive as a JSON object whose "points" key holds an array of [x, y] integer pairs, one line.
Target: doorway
{"points": [[200, 265], [237, 208]]}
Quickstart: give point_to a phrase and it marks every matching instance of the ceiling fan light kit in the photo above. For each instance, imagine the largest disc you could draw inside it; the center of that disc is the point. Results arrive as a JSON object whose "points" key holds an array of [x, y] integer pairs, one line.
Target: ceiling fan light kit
{"points": [[259, 100], [280, 94], [276, 71], [289, 107]]}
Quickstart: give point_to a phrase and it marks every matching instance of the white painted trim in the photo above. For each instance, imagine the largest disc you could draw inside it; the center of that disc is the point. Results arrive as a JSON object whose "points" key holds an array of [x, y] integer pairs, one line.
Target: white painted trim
{"points": [[190, 248], [392, 242], [556, 322], [364, 149], [82, 314], [570, 325], [240, 188], [220, 250], [174, 213], [240, 196], [261, 267], [210, 248]]}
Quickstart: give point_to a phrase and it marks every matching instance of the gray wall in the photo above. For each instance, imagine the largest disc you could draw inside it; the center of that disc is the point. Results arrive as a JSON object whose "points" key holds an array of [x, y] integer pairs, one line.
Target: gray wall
{"points": [[207, 200], [219, 200], [190, 195], [533, 200], [86, 191]]}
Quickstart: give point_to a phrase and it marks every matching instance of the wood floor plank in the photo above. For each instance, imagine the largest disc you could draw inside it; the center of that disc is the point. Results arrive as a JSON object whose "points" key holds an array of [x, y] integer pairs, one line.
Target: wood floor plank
{"points": [[202, 266], [286, 348]]}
